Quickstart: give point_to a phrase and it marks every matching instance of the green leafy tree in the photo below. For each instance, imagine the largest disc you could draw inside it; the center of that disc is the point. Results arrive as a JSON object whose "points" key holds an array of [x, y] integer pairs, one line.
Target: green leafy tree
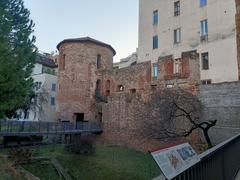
{"points": [[17, 55]]}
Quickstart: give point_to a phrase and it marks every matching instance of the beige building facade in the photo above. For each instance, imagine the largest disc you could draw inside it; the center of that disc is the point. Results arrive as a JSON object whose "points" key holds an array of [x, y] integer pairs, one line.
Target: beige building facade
{"points": [[175, 26]]}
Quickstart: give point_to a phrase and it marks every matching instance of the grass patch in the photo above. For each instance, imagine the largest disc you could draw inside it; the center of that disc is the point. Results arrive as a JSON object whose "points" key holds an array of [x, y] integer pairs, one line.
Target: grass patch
{"points": [[108, 163], [43, 170]]}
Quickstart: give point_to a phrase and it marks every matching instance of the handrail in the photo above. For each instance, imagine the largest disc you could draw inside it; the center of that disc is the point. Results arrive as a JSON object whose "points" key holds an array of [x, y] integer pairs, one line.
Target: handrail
{"points": [[221, 162], [24, 127]]}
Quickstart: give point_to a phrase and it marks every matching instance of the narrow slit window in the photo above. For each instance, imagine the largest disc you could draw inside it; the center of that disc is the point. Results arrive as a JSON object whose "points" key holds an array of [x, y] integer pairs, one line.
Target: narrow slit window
{"points": [[177, 36], [155, 17]]}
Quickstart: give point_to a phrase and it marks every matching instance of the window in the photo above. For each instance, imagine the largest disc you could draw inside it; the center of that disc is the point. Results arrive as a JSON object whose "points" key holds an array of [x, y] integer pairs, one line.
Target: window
{"points": [[155, 71], [120, 88], [177, 8], [155, 42], [54, 87], [205, 61], [203, 3], [153, 87], [99, 61], [98, 87], [177, 69], [133, 91], [169, 85], [53, 101], [155, 17], [62, 62], [108, 88], [205, 82], [177, 36], [204, 28], [38, 85]]}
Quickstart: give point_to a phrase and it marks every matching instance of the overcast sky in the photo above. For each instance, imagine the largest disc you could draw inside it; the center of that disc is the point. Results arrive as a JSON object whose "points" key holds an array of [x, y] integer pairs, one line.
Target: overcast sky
{"points": [[112, 21]]}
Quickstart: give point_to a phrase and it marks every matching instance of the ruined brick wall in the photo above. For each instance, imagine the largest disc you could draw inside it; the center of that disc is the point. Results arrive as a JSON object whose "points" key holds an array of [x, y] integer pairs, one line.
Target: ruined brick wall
{"points": [[238, 33], [189, 71], [120, 118], [77, 78], [109, 95], [134, 78], [123, 123]]}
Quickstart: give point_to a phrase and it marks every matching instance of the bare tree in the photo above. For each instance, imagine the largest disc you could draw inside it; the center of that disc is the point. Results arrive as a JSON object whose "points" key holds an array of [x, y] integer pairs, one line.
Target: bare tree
{"points": [[172, 113], [41, 100]]}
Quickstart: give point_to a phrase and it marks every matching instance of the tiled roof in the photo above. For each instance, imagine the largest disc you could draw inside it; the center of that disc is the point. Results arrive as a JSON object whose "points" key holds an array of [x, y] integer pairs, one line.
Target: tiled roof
{"points": [[87, 39], [44, 60]]}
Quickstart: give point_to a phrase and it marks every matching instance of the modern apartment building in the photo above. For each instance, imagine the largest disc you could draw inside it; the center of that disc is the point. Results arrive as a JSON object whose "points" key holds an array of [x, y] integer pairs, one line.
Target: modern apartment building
{"points": [[171, 27], [45, 79]]}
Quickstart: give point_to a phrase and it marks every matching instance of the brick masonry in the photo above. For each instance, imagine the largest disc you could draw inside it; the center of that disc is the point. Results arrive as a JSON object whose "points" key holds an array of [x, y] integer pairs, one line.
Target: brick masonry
{"points": [[77, 78], [189, 74], [123, 122]]}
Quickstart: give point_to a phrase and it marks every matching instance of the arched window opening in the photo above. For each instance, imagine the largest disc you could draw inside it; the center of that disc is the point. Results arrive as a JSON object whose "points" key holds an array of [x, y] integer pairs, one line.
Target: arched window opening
{"points": [[98, 92], [98, 86], [99, 63], [62, 67], [108, 88]]}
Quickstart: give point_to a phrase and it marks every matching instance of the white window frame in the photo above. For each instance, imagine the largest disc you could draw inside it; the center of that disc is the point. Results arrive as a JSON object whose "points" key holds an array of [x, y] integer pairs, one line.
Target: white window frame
{"points": [[155, 17], [177, 66], [177, 36], [155, 42], [204, 27], [155, 70]]}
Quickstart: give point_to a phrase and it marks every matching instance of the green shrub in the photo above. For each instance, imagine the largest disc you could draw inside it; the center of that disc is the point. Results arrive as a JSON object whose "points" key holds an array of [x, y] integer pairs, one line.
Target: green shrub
{"points": [[81, 145], [20, 155]]}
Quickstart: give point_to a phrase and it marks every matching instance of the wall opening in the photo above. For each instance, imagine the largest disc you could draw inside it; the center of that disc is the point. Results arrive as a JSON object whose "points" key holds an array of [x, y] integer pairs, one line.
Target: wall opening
{"points": [[133, 91], [107, 91], [99, 93], [99, 63], [120, 88], [153, 87], [79, 117], [99, 117], [62, 63], [98, 86]]}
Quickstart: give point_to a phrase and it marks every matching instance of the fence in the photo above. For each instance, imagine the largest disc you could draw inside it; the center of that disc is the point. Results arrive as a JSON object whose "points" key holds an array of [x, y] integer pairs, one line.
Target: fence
{"points": [[219, 163], [18, 128]]}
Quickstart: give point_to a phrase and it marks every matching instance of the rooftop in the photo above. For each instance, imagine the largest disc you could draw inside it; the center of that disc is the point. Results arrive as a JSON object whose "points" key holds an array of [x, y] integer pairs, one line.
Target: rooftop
{"points": [[46, 61], [87, 39]]}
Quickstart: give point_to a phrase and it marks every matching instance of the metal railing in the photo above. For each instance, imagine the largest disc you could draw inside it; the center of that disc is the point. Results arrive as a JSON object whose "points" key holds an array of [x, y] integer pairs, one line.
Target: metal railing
{"points": [[18, 128], [219, 163]]}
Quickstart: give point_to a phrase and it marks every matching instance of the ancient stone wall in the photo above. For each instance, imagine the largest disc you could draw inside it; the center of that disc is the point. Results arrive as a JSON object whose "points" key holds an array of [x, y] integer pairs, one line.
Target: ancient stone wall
{"points": [[121, 120], [221, 102], [134, 78], [77, 78], [123, 123], [110, 95]]}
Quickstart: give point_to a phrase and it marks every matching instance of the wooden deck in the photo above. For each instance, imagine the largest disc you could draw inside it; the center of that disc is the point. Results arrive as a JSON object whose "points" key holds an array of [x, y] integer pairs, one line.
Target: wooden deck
{"points": [[18, 128]]}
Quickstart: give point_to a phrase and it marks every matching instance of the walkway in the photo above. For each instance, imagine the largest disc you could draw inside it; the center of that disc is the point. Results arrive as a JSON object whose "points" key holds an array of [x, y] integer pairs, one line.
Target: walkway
{"points": [[18, 128]]}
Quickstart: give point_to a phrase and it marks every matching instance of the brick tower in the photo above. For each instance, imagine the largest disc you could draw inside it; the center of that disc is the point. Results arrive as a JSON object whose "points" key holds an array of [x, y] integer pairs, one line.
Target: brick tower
{"points": [[81, 62]]}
